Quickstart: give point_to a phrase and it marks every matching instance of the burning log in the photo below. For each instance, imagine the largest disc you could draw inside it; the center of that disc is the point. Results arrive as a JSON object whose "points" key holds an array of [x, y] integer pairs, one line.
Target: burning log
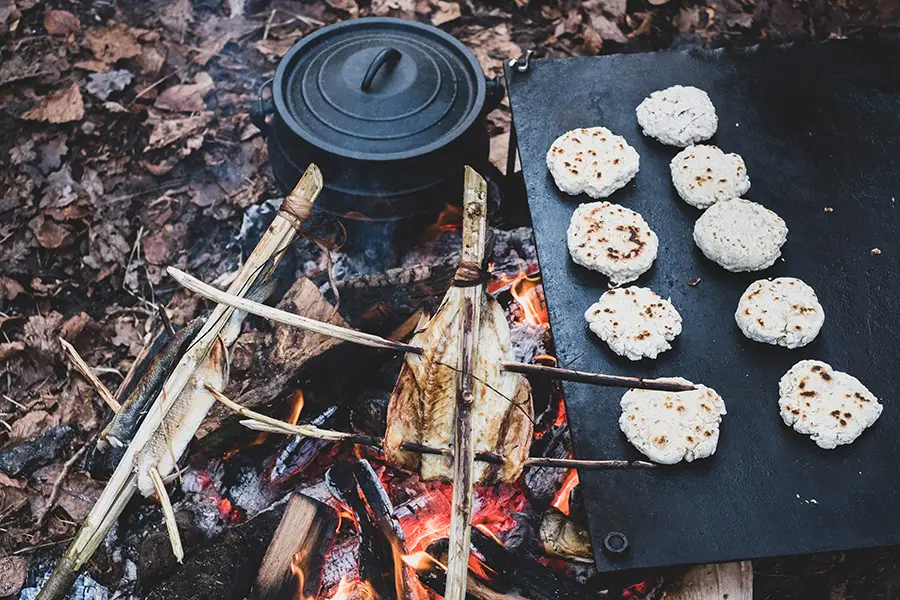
{"points": [[503, 575], [433, 574], [292, 565], [123, 483], [383, 543], [374, 341]]}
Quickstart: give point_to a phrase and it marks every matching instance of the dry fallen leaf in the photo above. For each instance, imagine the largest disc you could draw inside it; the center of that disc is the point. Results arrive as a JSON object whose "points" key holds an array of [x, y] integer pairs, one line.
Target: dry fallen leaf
{"points": [[161, 246], [273, 47], [446, 12], [593, 41], [13, 570], [49, 233], [59, 106], [32, 425], [348, 6], [169, 130], [111, 44], [104, 84], [41, 333], [186, 97], [400, 9], [78, 495], [61, 22], [491, 47]]}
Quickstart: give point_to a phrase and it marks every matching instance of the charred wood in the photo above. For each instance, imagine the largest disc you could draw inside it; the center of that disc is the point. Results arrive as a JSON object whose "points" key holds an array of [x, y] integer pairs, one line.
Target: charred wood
{"points": [[382, 544], [535, 580], [24, 459], [292, 566]]}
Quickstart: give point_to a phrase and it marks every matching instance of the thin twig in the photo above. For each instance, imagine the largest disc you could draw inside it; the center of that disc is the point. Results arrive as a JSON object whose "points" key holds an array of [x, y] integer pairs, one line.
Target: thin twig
{"points": [[44, 545], [86, 372], [57, 484]]}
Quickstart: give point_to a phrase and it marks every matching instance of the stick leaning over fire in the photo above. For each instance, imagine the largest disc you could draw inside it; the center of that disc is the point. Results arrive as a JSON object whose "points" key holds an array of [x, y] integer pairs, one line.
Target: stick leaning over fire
{"points": [[295, 209], [373, 341]]}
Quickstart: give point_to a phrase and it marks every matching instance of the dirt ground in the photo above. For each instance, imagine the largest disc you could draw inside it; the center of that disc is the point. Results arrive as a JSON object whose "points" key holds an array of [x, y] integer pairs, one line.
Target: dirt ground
{"points": [[126, 145]]}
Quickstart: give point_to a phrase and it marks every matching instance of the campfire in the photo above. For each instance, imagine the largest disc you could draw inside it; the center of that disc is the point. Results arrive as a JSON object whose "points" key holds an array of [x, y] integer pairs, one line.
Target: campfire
{"points": [[350, 524]]}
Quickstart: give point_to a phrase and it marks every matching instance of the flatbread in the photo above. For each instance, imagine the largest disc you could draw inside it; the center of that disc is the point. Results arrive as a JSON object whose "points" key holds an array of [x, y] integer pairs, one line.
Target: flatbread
{"points": [[668, 427], [740, 235], [613, 240], [703, 175], [831, 407], [635, 322], [678, 116], [783, 312], [593, 161]]}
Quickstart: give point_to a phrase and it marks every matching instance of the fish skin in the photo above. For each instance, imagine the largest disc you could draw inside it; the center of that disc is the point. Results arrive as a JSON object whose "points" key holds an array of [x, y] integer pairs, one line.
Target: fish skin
{"points": [[423, 404]]}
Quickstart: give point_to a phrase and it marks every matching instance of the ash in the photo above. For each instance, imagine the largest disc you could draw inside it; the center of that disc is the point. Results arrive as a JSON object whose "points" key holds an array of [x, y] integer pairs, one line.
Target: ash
{"points": [[85, 588]]}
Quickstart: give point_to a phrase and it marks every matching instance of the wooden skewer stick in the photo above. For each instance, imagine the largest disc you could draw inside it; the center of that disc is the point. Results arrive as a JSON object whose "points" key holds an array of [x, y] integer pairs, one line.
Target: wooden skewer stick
{"points": [[374, 341], [468, 275], [86, 372], [596, 378], [295, 209], [168, 513], [260, 422]]}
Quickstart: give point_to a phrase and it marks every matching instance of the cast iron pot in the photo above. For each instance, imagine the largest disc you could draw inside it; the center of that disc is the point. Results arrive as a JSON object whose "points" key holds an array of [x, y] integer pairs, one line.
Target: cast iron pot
{"points": [[389, 109]]}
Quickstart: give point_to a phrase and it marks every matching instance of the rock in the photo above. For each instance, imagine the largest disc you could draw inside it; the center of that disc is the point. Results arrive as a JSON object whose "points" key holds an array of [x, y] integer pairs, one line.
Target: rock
{"points": [[23, 459]]}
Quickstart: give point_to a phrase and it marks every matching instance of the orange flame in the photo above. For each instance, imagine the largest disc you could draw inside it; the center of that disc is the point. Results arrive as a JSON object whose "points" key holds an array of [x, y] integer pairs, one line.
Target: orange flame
{"points": [[296, 408], [297, 561], [422, 561], [480, 569], [527, 292], [450, 219], [561, 501]]}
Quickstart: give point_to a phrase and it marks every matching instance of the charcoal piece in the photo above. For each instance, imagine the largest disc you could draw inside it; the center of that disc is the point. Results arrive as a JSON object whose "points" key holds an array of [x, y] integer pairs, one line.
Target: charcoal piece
{"points": [[84, 588], [24, 459], [155, 558], [541, 485], [224, 568], [369, 414]]}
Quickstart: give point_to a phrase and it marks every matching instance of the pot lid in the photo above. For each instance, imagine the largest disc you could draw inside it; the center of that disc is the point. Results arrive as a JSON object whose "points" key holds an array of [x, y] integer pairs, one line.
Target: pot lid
{"points": [[379, 89]]}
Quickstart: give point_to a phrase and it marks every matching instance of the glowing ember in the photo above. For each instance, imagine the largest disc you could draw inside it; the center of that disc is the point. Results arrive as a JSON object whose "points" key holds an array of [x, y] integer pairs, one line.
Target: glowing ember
{"points": [[561, 502], [527, 291]]}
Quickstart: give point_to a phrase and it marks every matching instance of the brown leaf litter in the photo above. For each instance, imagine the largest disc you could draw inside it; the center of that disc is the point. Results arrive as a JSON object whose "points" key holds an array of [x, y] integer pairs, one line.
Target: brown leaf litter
{"points": [[60, 106]]}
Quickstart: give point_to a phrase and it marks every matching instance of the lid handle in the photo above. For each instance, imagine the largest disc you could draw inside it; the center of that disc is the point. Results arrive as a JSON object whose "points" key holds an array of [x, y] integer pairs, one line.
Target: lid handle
{"points": [[384, 56]]}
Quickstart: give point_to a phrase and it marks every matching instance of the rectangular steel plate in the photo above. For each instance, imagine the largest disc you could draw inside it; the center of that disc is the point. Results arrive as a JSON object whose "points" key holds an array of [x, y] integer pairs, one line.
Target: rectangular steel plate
{"points": [[818, 126]]}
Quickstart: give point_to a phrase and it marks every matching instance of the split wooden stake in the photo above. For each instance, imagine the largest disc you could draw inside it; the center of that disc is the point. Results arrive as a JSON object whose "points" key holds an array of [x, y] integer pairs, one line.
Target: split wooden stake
{"points": [[295, 209], [469, 277], [169, 514]]}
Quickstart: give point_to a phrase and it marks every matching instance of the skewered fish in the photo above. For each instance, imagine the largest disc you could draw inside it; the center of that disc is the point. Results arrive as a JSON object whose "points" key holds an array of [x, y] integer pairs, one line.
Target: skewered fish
{"points": [[422, 407]]}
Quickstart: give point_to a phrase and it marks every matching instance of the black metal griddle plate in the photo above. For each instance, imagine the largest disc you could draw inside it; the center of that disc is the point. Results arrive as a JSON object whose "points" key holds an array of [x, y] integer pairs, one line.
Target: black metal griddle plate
{"points": [[818, 127]]}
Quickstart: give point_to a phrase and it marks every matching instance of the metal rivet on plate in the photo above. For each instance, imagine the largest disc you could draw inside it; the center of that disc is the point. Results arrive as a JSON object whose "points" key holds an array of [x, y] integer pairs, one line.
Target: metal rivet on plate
{"points": [[615, 542]]}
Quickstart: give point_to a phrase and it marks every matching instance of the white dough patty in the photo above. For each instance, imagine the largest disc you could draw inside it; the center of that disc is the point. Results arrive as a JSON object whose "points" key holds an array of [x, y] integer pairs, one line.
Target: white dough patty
{"points": [[831, 407], [592, 160], [783, 312], [678, 116], [668, 427], [703, 175], [635, 322], [740, 235], [613, 240]]}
